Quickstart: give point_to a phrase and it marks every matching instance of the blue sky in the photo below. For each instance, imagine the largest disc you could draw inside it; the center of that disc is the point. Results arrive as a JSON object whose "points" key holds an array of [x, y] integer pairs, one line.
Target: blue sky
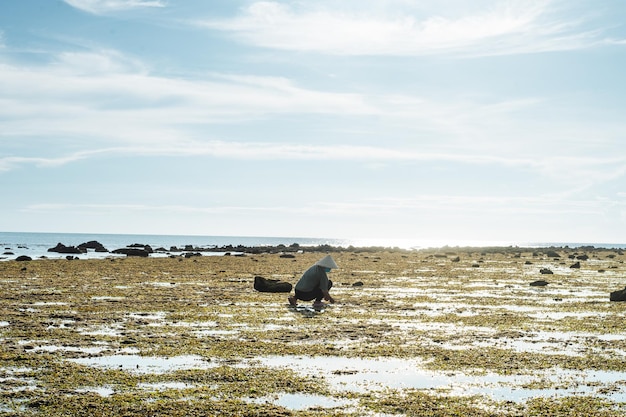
{"points": [[446, 120]]}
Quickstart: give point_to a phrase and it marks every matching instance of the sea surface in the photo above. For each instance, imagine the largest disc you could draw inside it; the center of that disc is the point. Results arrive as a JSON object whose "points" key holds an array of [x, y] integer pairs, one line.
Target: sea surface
{"points": [[36, 245]]}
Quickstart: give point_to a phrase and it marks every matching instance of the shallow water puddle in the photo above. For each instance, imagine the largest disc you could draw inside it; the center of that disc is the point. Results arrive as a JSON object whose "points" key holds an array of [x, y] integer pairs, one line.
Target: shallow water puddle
{"points": [[364, 375], [147, 364], [163, 386], [101, 391], [298, 402]]}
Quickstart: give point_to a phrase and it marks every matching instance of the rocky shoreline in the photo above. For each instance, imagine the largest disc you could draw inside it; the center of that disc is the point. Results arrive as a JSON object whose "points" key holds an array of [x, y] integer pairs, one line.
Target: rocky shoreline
{"points": [[145, 250]]}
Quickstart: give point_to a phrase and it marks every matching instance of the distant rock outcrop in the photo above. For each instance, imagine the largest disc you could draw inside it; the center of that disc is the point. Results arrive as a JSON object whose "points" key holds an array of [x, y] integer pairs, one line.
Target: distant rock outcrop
{"points": [[61, 248], [132, 252], [92, 244], [136, 249]]}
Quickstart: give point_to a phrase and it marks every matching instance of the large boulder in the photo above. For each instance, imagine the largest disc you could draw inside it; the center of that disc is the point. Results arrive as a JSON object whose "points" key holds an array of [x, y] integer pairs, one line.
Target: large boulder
{"points": [[619, 295], [271, 285]]}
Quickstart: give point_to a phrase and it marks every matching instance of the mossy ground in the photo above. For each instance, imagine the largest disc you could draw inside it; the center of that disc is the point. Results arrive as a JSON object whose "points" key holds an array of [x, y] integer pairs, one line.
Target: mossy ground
{"points": [[465, 311]]}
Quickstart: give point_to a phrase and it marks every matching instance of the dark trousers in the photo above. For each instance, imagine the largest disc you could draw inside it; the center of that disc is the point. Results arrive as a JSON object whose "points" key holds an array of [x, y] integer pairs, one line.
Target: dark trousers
{"points": [[316, 294]]}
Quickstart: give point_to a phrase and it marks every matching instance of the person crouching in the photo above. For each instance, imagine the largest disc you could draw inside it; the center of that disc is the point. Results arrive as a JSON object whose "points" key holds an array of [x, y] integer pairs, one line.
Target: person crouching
{"points": [[314, 283]]}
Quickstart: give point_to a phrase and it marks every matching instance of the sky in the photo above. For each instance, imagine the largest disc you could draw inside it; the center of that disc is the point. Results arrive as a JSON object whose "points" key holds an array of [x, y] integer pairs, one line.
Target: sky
{"points": [[431, 120]]}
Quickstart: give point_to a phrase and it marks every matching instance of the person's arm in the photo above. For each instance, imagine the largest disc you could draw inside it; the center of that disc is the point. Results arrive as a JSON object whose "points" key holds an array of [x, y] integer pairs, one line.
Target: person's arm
{"points": [[324, 285], [327, 296]]}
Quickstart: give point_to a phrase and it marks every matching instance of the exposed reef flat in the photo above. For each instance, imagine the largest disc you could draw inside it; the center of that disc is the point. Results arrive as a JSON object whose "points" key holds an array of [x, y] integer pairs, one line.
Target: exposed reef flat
{"points": [[448, 331]]}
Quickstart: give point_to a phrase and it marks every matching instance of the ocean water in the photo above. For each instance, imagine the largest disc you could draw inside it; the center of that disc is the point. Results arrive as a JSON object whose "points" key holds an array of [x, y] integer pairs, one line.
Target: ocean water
{"points": [[36, 245]]}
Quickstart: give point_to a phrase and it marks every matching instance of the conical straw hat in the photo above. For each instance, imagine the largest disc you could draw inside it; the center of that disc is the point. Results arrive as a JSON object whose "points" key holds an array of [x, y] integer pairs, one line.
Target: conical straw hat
{"points": [[327, 262]]}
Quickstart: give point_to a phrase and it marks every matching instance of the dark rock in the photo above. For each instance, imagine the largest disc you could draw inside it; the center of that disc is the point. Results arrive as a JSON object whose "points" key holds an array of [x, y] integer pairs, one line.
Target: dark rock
{"points": [[92, 244], [271, 285], [147, 248], [287, 255], [61, 248], [552, 254], [619, 295], [575, 266], [539, 283], [132, 252], [358, 284], [457, 259], [8, 253], [23, 258], [582, 257], [545, 271]]}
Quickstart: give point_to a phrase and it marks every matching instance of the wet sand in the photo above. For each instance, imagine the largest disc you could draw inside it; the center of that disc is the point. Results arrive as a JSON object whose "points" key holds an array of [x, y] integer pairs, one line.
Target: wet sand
{"points": [[434, 332]]}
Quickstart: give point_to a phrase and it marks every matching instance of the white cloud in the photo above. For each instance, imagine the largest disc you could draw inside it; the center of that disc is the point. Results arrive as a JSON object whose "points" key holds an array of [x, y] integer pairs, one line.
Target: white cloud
{"points": [[108, 6], [481, 205], [500, 28], [107, 104]]}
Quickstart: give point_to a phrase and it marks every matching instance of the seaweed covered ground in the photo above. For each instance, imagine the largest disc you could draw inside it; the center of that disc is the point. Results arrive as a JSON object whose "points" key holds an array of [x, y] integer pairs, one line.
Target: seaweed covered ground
{"points": [[447, 332]]}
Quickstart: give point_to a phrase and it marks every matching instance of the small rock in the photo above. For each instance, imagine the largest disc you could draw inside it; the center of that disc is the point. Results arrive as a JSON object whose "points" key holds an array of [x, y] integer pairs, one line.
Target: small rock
{"points": [[619, 295], [539, 283]]}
